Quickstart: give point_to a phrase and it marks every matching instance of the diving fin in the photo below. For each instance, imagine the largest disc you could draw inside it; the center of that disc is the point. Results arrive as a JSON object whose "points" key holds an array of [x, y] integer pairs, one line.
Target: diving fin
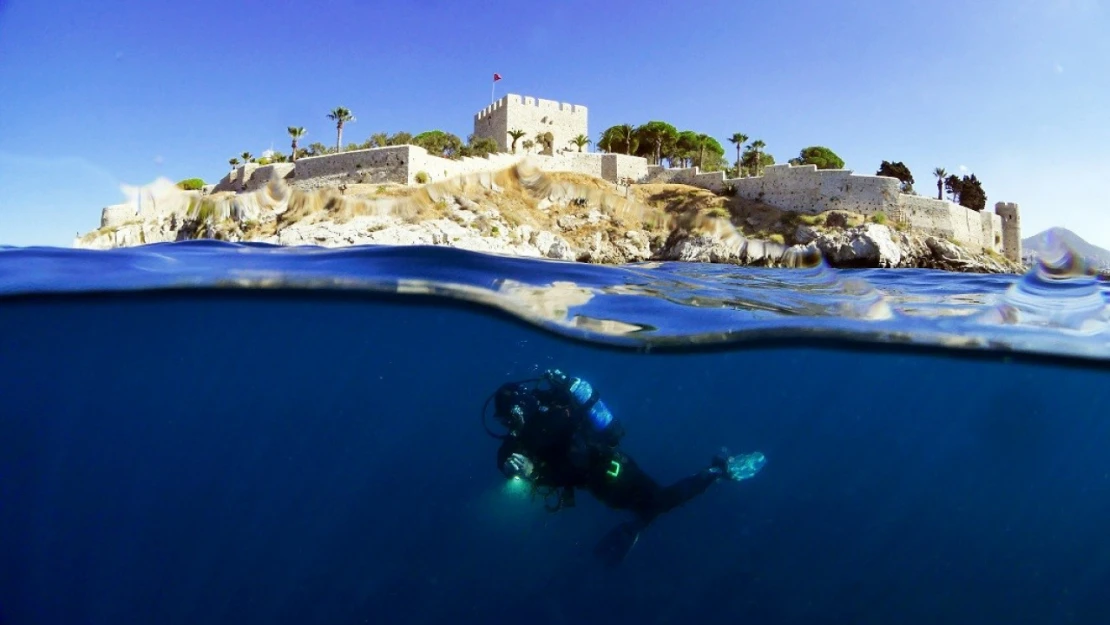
{"points": [[616, 544]]}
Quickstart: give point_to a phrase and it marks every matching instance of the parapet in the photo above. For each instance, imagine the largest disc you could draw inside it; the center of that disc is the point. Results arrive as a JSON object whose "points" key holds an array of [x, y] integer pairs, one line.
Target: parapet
{"points": [[516, 100]]}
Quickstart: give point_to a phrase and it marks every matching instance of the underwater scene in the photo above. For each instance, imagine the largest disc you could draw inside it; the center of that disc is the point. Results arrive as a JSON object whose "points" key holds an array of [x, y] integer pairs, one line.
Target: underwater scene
{"points": [[206, 432]]}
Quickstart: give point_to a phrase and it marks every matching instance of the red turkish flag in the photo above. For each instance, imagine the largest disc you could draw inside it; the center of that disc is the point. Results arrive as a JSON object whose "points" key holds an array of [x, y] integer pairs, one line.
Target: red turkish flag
{"points": [[496, 77]]}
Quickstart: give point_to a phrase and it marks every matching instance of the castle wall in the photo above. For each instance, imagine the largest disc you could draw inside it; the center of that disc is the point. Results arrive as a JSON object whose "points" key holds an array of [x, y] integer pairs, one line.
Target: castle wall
{"points": [[261, 176], [533, 116], [805, 189], [618, 167], [389, 164]]}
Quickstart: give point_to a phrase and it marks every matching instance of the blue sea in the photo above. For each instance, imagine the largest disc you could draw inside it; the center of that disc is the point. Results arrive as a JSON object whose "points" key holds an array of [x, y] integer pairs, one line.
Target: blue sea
{"points": [[205, 432]]}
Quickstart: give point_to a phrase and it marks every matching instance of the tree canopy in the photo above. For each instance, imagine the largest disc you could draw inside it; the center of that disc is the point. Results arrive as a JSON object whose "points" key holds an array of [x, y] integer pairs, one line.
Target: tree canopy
{"points": [[897, 170], [967, 191], [818, 155]]}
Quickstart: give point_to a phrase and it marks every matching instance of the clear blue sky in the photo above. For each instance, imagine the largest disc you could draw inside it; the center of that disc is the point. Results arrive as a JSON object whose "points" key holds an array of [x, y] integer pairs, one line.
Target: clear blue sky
{"points": [[96, 94]]}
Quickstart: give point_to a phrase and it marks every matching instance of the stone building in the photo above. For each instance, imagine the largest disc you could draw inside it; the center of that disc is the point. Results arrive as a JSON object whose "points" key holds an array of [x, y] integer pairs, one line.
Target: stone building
{"points": [[558, 122]]}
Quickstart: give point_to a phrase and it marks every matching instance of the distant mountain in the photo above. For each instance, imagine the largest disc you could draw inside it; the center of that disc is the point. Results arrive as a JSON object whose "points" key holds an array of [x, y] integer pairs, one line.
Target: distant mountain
{"points": [[1039, 243]]}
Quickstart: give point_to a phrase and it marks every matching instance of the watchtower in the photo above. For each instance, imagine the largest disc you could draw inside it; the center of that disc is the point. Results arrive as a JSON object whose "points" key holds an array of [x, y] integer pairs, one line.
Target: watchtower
{"points": [[556, 123], [1011, 229]]}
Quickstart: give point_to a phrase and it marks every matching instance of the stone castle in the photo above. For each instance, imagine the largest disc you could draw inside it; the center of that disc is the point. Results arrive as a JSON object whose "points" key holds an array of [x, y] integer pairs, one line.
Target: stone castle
{"points": [[551, 126]]}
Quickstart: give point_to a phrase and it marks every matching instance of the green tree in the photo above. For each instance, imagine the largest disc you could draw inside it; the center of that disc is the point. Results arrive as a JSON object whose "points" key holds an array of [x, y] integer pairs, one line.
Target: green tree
{"points": [[400, 138], [738, 139], [478, 146], [247, 157], [940, 174], [620, 139], [820, 156], [516, 134], [546, 142], [753, 160], [580, 141], [439, 143], [967, 191], [528, 145], [378, 140], [296, 132], [234, 162], [340, 115], [656, 139], [757, 160], [897, 170]]}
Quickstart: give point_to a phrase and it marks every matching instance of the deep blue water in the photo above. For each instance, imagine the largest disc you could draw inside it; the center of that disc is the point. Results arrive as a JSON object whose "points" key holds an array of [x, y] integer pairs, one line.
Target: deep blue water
{"points": [[312, 452]]}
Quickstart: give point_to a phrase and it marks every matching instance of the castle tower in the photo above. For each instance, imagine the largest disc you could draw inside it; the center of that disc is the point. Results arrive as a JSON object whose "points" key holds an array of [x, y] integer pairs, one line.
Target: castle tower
{"points": [[1011, 229], [558, 121]]}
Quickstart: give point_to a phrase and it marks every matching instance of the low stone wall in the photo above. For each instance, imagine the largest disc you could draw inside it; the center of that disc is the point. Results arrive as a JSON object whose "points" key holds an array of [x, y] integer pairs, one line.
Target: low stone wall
{"points": [[618, 167]]}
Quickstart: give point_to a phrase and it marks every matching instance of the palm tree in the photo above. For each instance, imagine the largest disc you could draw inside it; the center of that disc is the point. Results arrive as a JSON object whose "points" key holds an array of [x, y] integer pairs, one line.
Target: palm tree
{"points": [[580, 141], [757, 146], [703, 140], [737, 139], [296, 132], [247, 157], [627, 132], [516, 134], [340, 115], [940, 174], [233, 162]]}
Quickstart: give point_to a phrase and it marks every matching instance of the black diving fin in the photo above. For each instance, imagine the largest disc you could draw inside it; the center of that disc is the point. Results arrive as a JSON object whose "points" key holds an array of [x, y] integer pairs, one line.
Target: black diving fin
{"points": [[616, 544]]}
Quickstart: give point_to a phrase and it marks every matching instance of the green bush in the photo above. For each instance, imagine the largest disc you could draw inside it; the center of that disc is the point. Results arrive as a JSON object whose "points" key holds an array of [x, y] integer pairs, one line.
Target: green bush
{"points": [[421, 177], [191, 184], [879, 218]]}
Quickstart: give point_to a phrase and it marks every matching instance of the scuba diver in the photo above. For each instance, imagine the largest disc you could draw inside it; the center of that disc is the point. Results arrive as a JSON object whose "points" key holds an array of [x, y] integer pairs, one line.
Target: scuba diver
{"points": [[562, 437]]}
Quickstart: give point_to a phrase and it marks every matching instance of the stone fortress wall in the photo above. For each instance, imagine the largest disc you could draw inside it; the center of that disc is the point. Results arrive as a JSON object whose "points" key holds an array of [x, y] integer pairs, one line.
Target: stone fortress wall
{"points": [[806, 189], [803, 189], [533, 116]]}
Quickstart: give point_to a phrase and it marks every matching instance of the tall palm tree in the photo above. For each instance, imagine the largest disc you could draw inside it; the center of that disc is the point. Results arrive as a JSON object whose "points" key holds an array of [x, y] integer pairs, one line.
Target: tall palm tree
{"points": [[940, 174], [703, 140], [340, 115], [737, 139], [247, 157], [580, 141], [627, 132], [516, 134], [233, 162], [296, 132], [757, 146]]}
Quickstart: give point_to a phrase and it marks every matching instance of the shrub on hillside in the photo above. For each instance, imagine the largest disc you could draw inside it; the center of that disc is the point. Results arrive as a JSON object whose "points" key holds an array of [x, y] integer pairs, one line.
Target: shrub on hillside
{"points": [[191, 184], [421, 177]]}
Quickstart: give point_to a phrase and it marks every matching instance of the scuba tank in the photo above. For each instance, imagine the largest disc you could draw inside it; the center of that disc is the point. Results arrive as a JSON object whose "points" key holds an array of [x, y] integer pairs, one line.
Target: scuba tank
{"points": [[585, 398]]}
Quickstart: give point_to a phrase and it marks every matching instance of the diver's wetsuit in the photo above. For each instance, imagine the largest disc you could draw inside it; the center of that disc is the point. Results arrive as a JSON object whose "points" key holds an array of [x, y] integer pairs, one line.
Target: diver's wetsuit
{"points": [[567, 454]]}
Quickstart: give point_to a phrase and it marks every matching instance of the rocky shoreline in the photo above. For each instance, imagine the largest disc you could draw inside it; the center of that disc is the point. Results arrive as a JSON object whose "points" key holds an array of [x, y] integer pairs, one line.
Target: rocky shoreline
{"points": [[532, 214]]}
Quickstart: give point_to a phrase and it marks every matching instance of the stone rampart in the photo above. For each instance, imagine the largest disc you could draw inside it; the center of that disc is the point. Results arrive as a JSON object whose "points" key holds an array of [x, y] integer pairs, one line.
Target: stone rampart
{"points": [[389, 164], [262, 176], [805, 189], [976, 230]]}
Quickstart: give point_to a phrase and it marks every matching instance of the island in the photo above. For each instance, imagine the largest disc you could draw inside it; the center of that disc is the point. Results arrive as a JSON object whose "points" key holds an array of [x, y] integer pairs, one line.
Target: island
{"points": [[523, 184]]}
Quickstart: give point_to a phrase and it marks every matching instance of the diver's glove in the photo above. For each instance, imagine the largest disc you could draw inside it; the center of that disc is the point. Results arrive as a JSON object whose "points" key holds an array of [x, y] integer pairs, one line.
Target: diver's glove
{"points": [[518, 466], [737, 468]]}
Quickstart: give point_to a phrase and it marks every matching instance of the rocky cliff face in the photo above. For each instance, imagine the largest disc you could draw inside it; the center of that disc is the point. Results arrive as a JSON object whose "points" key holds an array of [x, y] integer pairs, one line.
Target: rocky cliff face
{"points": [[525, 212]]}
